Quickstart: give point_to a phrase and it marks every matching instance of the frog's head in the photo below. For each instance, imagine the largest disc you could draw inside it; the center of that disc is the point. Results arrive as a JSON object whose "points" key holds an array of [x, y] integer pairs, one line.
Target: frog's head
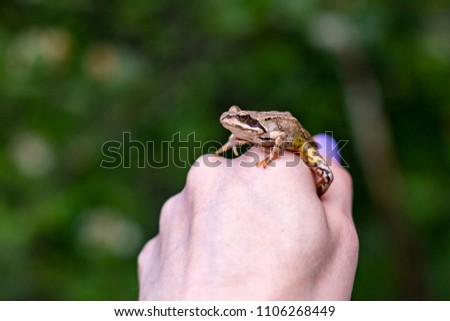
{"points": [[243, 124]]}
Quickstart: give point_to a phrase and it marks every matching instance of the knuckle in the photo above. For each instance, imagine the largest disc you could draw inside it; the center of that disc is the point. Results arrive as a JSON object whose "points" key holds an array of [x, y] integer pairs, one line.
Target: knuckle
{"points": [[166, 211], [344, 176], [203, 173], [147, 251], [349, 237], [352, 239], [197, 171], [171, 219]]}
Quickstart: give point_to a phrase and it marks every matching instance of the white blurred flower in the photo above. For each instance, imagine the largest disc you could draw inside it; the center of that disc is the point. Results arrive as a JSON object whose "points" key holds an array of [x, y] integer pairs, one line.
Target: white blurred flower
{"points": [[32, 154], [333, 31], [107, 229], [435, 37], [101, 62], [51, 46]]}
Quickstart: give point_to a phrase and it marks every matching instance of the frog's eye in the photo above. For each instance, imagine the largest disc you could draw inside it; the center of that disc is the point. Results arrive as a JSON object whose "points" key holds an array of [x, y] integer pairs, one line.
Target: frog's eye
{"points": [[244, 117]]}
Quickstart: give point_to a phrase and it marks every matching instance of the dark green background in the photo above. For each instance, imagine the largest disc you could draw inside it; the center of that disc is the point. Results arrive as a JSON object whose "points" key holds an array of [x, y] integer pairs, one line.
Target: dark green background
{"points": [[76, 74]]}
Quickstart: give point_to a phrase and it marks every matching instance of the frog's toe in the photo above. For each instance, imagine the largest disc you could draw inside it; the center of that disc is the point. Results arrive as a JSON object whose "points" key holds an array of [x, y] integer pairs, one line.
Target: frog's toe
{"points": [[264, 162], [218, 152]]}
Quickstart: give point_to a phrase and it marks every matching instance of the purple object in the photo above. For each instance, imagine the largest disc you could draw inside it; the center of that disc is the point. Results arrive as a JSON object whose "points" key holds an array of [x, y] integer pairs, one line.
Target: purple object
{"points": [[328, 147]]}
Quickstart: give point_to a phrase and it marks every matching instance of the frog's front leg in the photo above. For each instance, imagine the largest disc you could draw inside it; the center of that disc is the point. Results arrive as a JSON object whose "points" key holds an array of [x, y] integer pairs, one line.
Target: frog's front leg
{"points": [[232, 143], [279, 139], [315, 161]]}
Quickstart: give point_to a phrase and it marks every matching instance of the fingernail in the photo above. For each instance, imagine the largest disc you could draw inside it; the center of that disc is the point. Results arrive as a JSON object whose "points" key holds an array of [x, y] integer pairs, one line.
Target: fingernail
{"points": [[328, 147]]}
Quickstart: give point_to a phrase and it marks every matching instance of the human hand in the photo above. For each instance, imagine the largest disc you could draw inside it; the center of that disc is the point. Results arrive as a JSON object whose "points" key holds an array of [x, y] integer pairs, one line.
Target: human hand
{"points": [[248, 233]]}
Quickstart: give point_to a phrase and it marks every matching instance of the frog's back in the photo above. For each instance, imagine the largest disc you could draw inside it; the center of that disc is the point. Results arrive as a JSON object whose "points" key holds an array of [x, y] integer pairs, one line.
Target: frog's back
{"points": [[285, 122]]}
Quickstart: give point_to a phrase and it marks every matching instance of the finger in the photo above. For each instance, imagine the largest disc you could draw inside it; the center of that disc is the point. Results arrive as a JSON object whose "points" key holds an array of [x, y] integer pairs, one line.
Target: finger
{"points": [[338, 199]]}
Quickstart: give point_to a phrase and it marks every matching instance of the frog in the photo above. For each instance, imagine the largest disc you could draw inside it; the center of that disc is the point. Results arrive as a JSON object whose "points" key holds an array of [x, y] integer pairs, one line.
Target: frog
{"points": [[276, 131]]}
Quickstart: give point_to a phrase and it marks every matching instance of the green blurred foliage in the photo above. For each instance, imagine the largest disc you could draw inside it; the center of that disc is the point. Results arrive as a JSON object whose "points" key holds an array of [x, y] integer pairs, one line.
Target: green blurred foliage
{"points": [[76, 74]]}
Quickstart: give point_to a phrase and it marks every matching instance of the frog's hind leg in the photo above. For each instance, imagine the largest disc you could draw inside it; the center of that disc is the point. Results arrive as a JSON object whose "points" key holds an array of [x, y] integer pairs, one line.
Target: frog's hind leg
{"points": [[232, 143], [326, 178], [315, 161]]}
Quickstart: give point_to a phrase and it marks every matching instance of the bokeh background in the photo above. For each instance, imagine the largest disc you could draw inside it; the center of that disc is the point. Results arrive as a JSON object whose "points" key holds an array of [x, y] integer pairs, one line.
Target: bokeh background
{"points": [[77, 74]]}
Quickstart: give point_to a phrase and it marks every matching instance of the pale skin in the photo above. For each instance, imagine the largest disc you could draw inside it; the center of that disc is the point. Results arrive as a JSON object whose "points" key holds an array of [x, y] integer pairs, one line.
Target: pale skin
{"points": [[249, 233]]}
